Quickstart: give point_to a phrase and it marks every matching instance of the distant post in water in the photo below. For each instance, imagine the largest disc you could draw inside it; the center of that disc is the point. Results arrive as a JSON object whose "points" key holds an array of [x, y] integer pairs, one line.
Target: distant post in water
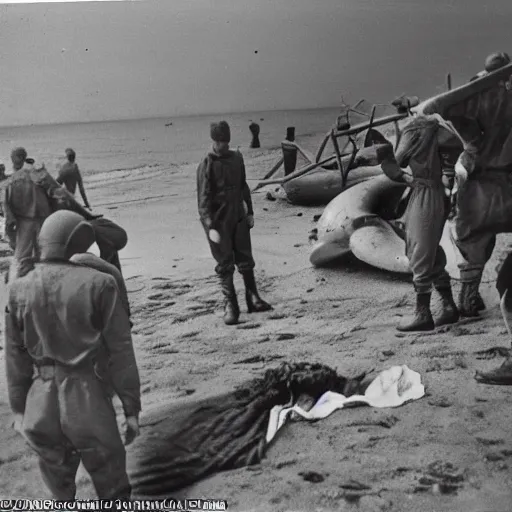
{"points": [[449, 81], [255, 131], [289, 151]]}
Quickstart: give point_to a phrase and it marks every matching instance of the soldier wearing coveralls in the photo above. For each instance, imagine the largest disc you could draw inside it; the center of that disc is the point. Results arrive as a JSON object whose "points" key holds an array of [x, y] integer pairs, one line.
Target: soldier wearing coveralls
{"points": [[68, 346], [423, 147], [225, 211], [25, 207], [485, 200], [30, 196]]}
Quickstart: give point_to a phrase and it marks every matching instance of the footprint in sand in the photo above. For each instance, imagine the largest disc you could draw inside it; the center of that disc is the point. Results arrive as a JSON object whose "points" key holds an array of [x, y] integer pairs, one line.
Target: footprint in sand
{"points": [[248, 326], [158, 296]]}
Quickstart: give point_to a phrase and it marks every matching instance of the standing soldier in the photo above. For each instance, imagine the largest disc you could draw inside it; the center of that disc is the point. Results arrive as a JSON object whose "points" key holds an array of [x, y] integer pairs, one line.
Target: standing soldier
{"points": [[26, 206], [68, 345], [484, 202], [423, 142], [225, 210], [69, 176]]}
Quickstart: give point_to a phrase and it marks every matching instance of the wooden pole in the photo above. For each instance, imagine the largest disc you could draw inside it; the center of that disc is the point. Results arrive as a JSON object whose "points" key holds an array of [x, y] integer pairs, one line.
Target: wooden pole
{"points": [[338, 158], [449, 81], [376, 122], [298, 172], [289, 157], [322, 146], [270, 173]]}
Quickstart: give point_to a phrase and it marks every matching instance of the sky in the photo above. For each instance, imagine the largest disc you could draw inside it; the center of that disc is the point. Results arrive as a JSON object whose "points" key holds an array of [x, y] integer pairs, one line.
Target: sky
{"points": [[94, 61]]}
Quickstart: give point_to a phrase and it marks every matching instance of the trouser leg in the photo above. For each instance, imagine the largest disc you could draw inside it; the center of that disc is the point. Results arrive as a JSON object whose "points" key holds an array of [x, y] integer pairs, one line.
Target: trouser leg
{"points": [[242, 247], [245, 263], [484, 209], [223, 254], [89, 420], [476, 250], [424, 221], [58, 461], [26, 246]]}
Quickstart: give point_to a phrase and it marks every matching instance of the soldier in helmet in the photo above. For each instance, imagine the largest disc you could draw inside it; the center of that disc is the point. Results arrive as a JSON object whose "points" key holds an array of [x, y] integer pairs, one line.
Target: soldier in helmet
{"points": [[68, 347]]}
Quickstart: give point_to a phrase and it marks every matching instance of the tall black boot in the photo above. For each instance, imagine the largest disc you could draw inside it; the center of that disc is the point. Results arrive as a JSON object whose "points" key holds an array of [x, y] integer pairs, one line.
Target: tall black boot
{"points": [[231, 309], [255, 304], [468, 299], [422, 320], [450, 312]]}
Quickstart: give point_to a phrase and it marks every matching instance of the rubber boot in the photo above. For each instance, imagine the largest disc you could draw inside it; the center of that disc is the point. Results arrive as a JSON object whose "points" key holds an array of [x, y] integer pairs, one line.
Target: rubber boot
{"points": [[422, 320], [450, 313], [231, 309], [255, 304], [468, 299]]}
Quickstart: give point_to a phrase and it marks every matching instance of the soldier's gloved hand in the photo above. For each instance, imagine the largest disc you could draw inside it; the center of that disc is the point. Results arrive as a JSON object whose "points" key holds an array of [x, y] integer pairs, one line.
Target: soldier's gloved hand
{"points": [[407, 178], [250, 221], [17, 422], [214, 236], [132, 429]]}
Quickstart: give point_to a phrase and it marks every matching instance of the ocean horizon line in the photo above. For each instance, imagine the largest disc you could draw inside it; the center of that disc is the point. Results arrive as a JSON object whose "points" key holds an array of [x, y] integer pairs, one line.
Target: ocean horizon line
{"points": [[168, 117]]}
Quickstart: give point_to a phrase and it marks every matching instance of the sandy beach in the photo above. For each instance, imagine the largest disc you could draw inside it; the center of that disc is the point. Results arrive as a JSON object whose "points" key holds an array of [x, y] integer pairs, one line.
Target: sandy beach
{"points": [[344, 317]]}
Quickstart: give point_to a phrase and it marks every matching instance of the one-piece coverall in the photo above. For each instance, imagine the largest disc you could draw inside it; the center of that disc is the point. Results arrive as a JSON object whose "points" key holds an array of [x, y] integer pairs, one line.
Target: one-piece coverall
{"points": [[485, 200], [26, 206], [68, 346], [221, 192], [421, 145]]}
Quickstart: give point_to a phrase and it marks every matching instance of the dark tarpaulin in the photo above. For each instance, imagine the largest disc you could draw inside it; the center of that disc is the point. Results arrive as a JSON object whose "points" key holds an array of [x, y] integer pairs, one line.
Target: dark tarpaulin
{"points": [[181, 444]]}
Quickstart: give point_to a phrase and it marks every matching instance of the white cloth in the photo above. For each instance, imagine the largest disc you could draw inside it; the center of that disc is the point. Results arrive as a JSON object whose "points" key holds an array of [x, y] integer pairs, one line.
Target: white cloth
{"points": [[391, 388]]}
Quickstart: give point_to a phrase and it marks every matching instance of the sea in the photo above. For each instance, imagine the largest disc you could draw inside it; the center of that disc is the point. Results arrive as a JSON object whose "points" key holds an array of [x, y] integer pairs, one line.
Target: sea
{"points": [[134, 144]]}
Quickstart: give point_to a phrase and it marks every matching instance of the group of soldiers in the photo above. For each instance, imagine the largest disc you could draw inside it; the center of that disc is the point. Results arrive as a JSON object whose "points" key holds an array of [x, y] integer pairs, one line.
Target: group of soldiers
{"points": [[68, 344], [471, 140]]}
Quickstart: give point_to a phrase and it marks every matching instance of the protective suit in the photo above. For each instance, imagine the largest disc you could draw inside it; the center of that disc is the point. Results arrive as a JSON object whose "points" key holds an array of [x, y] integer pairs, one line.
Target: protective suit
{"points": [[485, 201], [68, 347], [29, 197], [424, 147], [25, 206], [222, 191]]}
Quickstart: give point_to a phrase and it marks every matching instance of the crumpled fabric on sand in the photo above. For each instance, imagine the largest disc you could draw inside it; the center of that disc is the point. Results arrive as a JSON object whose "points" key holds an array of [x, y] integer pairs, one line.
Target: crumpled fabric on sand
{"points": [[391, 388], [181, 443]]}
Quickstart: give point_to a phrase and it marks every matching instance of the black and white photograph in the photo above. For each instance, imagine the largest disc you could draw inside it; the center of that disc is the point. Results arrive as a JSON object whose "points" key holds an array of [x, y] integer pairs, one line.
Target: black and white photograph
{"points": [[256, 255]]}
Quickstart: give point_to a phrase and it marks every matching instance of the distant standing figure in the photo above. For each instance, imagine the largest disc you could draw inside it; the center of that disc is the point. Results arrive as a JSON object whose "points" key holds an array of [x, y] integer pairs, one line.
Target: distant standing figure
{"points": [[255, 130], [70, 177], [25, 206], [225, 209]]}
